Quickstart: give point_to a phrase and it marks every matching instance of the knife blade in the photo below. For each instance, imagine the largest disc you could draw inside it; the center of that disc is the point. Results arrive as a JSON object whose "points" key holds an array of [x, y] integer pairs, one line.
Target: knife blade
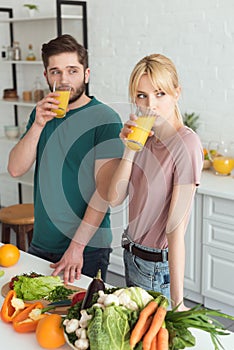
{"points": [[66, 302]]}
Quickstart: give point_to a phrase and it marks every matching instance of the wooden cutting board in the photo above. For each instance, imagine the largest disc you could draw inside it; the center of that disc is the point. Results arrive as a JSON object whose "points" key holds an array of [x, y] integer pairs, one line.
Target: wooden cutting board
{"points": [[61, 310]]}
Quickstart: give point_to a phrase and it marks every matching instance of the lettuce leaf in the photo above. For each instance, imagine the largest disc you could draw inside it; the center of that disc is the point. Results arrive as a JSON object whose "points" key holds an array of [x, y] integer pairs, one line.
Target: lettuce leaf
{"points": [[36, 288], [110, 328]]}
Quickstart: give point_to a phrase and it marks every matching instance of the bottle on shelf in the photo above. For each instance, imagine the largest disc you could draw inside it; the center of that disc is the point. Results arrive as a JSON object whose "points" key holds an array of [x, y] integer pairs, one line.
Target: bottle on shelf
{"points": [[17, 51], [10, 53], [38, 92], [4, 53], [30, 56]]}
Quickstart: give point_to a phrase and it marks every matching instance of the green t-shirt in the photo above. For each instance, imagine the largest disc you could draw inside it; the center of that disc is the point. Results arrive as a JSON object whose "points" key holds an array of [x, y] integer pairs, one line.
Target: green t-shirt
{"points": [[64, 174]]}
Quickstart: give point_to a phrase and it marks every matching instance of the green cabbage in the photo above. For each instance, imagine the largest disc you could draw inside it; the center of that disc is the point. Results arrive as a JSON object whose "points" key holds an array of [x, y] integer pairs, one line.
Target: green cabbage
{"points": [[36, 288], [110, 328]]}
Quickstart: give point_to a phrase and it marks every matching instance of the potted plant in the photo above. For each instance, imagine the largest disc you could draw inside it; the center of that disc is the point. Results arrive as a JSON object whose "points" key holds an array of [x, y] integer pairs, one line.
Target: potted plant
{"points": [[31, 9], [191, 120]]}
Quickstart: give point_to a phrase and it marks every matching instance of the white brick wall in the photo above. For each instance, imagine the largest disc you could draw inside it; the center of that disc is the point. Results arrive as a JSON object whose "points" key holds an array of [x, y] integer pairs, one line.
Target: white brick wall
{"points": [[197, 35]]}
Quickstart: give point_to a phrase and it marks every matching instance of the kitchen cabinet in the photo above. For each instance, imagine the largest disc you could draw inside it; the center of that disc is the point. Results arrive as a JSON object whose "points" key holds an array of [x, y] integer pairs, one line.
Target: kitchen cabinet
{"points": [[70, 17], [193, 246], [218, 253]]}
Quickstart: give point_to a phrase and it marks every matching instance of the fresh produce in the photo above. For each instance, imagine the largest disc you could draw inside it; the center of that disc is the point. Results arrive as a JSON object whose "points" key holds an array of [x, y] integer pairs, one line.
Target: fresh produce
{"points": [[27, 320], [9, 255], [77, 298], [28, 288], [96, 285], [154, 343], [124, 319], [49, 332], [59, 293], [156, 324], [162, 338], [11, 306], [205, 153], [2, 273], [178, 324], [15, 278], [108, 322], [143, 321]]}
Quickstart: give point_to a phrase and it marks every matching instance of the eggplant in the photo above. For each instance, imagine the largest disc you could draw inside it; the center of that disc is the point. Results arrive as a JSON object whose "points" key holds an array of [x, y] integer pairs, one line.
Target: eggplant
{"points": [[94, 286]]}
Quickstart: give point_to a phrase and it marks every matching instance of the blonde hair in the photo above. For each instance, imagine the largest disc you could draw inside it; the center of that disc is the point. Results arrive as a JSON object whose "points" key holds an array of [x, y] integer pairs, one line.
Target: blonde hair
{"points": [[162, 74]]}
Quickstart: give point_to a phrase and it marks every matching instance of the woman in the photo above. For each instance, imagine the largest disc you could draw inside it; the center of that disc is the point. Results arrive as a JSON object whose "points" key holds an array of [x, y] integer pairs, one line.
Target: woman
{"points": [[160, 181]]}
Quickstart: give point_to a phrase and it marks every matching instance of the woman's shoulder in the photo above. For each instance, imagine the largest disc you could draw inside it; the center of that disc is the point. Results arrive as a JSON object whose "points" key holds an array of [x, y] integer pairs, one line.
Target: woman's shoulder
{"points": [[188, 135]]}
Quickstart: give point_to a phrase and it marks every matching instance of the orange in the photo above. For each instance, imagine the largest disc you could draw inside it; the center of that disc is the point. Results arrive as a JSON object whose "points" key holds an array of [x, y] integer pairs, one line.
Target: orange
{"points": [[49, 332], [9, 255]]}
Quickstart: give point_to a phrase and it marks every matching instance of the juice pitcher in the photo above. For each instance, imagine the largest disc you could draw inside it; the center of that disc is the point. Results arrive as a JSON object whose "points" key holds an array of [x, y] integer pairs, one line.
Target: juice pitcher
{"points": [[221, 154]]}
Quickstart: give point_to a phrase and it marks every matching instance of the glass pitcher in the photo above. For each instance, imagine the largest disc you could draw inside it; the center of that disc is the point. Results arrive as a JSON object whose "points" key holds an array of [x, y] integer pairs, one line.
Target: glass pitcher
{"points": [[221, 154]]}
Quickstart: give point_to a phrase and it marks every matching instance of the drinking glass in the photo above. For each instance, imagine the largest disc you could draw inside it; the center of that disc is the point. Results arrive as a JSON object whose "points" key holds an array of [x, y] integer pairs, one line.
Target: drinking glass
{"points": [[63, 98], [144, 123], [221, 154]]}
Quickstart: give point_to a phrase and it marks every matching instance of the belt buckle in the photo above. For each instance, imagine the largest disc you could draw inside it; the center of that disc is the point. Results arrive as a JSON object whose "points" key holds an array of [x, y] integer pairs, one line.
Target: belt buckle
{"points": [[164, 255]]}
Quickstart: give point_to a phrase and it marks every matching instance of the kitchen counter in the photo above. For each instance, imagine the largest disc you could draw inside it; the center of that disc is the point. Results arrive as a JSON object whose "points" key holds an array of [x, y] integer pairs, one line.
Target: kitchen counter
{"points": [[28, 263], [216, 185]]}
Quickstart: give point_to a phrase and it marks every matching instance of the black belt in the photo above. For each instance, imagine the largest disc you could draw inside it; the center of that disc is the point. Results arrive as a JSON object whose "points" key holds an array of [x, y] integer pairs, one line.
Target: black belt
{"points": [[146, 255]]}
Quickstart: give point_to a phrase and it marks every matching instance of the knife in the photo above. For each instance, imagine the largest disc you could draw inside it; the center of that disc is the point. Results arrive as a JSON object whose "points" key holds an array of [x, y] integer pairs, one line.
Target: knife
{"points": [[66, 302]]}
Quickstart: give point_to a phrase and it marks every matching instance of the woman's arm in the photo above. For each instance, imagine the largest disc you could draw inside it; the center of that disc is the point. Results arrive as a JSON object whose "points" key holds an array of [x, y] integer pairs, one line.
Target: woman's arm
{"points": [[179, 214], [119, 183]]}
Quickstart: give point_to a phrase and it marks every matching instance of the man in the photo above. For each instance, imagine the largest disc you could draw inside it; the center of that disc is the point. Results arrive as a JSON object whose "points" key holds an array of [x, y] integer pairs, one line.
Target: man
{"points": [[76, 157]]}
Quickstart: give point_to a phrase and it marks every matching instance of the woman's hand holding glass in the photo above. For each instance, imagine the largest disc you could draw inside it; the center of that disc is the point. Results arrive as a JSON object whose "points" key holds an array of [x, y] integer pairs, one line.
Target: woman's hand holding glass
{"points": [[128, 129]]}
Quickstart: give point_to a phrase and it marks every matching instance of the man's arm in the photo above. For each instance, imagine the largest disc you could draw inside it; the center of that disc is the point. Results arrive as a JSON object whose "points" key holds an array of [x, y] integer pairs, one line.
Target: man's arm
{"points": [[23, 155], [72, 260]]}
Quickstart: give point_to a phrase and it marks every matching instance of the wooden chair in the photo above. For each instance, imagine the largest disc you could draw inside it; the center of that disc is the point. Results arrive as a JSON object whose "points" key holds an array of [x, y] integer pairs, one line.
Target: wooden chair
{"points": [[19, 218]]}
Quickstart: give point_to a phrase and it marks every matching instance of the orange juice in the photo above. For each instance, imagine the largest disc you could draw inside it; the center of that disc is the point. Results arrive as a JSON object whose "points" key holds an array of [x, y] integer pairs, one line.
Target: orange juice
{"points": [[223, 165], [138, 137], [63, 99]]}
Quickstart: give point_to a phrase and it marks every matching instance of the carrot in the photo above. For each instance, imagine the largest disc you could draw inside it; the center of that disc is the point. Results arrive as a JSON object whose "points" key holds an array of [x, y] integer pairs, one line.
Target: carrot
{"points": [[163, 338], [154, 343], [156, 324], [143, 322]]}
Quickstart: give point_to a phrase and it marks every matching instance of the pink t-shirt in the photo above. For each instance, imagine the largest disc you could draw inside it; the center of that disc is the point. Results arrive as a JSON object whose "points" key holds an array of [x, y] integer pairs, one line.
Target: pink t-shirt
{"points": [[156, 169]]}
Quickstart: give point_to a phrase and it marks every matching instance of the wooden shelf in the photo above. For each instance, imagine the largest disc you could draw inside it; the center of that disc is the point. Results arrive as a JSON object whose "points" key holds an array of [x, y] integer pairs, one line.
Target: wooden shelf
{"points": [[39, 18], [5, 139], [37, 62], [18, 102]]}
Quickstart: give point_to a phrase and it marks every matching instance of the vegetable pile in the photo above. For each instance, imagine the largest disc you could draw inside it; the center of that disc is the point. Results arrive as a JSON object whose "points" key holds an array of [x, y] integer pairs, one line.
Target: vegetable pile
{"points": [[132, 318]]}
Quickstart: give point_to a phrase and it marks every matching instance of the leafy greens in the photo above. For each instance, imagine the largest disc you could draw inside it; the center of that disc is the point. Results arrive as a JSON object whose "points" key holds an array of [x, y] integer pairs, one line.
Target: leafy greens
{"points": [[28, 288], [110, 328]]}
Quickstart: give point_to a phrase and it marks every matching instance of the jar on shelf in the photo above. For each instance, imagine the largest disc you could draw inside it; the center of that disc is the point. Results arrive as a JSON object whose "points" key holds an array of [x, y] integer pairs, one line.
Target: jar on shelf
{"points": [[4, 53], [10, 53], [38, 92], [17, 51], [30, 56]]}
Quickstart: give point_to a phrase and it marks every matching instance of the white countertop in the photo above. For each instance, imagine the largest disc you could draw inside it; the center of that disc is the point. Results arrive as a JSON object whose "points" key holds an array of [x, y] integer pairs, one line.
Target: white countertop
{"points": [[216, 185], [28, 263]]}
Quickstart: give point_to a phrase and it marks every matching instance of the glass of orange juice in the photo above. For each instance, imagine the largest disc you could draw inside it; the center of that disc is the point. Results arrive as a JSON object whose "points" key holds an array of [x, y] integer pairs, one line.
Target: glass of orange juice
{"points": [[63, 98], [144, 123], [223, 165], [222, 156]]}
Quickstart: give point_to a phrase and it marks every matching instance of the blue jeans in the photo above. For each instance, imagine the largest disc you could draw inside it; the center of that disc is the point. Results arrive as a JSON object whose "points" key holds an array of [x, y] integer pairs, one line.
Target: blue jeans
{"points": [[93, 259], [148, 275]]}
